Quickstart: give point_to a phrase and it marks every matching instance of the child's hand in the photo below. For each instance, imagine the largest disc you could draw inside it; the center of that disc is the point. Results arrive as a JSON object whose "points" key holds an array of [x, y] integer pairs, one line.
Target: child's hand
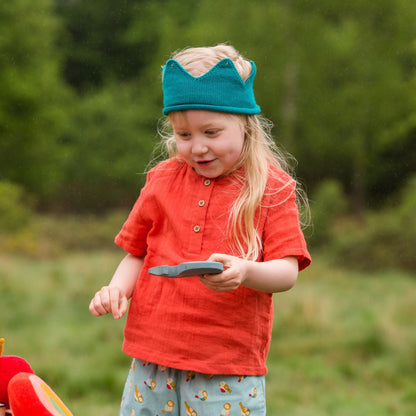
{"points": [[110, 299], [234, 274], [269, 276]]}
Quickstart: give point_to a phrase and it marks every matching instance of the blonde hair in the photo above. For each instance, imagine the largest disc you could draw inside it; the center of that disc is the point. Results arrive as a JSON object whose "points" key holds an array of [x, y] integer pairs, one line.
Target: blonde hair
{"points": [[258, 154]]}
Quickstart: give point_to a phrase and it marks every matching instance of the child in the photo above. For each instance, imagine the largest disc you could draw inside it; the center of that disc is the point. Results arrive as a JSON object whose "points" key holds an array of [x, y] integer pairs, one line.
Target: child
{"points": [[200, 343]]}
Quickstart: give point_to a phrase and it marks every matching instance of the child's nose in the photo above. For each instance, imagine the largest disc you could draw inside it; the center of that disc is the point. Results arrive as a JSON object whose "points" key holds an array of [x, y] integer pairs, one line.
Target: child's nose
{"points": [[199, 147]]}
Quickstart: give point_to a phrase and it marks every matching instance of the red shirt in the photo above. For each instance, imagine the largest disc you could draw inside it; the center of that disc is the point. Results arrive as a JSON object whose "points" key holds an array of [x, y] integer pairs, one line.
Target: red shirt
{"points": [[181, 216]]}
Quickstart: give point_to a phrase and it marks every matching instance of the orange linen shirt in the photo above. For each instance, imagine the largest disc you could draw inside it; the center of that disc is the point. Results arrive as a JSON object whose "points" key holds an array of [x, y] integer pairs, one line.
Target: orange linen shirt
{"points": [[178, 322]]}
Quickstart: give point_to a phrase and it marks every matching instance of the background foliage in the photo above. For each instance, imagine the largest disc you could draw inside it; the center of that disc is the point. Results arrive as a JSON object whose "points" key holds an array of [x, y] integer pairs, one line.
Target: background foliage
{"points": [[81, 96], [80, 100]]}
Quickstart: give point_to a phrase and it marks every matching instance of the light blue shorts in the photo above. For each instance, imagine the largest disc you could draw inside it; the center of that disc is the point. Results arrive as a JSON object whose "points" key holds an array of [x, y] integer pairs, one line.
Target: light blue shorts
{"points": [[153, 390]]}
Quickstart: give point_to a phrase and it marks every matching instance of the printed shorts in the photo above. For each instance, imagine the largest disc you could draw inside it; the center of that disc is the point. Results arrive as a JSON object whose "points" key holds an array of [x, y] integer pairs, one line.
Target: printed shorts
{"points": [[153, 390]]}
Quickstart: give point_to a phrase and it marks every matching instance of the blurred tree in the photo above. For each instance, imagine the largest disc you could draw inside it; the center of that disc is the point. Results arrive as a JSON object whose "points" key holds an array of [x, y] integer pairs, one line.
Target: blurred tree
{"points": [[107, 148], [114, 58], [335, 78], [354, 92], [32, 96], [107, 40]]}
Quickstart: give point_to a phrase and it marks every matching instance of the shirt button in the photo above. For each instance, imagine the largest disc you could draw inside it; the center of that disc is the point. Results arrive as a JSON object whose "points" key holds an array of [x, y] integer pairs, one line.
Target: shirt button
{"points": [[207, 182], [201, 203], [197, 228]]}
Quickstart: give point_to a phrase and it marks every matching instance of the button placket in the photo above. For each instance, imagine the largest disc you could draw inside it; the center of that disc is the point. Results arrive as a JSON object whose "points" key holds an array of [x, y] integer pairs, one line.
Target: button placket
{"points": [[200, 205]]}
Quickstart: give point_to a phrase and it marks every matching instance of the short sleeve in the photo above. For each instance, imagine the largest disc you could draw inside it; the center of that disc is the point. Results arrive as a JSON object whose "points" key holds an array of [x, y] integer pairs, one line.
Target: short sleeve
{"points": [[133, 235], [283, 236]]}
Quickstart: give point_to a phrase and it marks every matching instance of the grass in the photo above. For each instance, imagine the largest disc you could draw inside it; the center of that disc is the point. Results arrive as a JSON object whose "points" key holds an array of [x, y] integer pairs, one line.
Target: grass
{"points": [[344, 343]]}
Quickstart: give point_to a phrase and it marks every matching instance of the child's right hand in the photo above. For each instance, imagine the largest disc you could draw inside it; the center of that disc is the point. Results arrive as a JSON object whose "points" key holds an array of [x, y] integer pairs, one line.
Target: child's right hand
{"points": [[110, 299]]}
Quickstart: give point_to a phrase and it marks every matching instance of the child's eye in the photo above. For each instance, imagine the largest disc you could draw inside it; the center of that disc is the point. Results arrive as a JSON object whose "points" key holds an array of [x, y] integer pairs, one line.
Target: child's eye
{"points": [[183, 135], [211, 132]]}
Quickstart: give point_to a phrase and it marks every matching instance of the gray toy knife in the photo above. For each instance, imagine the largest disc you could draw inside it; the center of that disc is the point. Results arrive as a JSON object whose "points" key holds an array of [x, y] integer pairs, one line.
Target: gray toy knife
{"points": [[192, 268]]}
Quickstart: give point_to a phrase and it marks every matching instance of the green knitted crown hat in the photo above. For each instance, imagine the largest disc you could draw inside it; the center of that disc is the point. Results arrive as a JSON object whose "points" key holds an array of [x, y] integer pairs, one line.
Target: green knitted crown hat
{"points": [[220, 89]]}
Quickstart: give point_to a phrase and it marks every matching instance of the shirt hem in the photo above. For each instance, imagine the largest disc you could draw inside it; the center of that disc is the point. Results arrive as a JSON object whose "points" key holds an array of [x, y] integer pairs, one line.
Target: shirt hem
{"points": [[197, 366]]}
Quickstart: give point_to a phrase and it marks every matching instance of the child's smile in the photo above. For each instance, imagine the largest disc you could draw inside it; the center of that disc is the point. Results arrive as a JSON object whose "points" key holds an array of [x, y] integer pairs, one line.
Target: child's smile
{"points": [[211, 142]]}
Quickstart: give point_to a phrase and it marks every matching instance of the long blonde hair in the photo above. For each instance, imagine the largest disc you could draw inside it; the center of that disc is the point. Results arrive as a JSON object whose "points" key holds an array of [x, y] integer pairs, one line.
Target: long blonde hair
{"points": [[258, 154]]}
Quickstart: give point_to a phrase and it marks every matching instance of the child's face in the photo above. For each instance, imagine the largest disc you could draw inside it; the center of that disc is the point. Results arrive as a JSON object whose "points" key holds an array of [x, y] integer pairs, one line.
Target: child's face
{"points": [[211, 142]]}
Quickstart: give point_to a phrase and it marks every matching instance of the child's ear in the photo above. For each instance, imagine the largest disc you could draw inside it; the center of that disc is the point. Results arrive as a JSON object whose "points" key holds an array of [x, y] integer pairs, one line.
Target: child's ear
{"points": [[29, 395]]}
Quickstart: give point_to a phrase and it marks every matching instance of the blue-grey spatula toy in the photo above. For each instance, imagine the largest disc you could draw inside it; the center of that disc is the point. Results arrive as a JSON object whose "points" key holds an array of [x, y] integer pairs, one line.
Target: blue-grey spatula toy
{"points": [[191, 268]]}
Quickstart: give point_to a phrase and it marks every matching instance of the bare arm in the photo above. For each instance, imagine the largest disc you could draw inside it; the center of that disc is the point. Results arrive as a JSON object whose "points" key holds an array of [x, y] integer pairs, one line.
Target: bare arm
{"points": [[269, 276], [114, 297]]}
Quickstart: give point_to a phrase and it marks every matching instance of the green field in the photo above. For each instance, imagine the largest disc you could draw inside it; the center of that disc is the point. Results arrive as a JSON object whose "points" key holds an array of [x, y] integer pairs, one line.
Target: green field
{"points": [[344, 342]]}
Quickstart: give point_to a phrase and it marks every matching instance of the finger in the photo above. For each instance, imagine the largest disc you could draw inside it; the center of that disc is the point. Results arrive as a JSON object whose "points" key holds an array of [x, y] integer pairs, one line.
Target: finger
{"points": [[96, 308], [220, 279], [213, 278], [123, 306], [100, 302], [104, 301], [226, 260], [222, 258], [92, 308], [212, 281], [114, 299], [119, 304], [218, 285]]}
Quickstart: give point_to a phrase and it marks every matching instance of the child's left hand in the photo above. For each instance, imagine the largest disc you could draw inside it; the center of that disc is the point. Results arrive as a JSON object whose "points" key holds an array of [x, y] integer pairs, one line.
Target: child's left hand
{"points": [[270, 276], [234, 274]]}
